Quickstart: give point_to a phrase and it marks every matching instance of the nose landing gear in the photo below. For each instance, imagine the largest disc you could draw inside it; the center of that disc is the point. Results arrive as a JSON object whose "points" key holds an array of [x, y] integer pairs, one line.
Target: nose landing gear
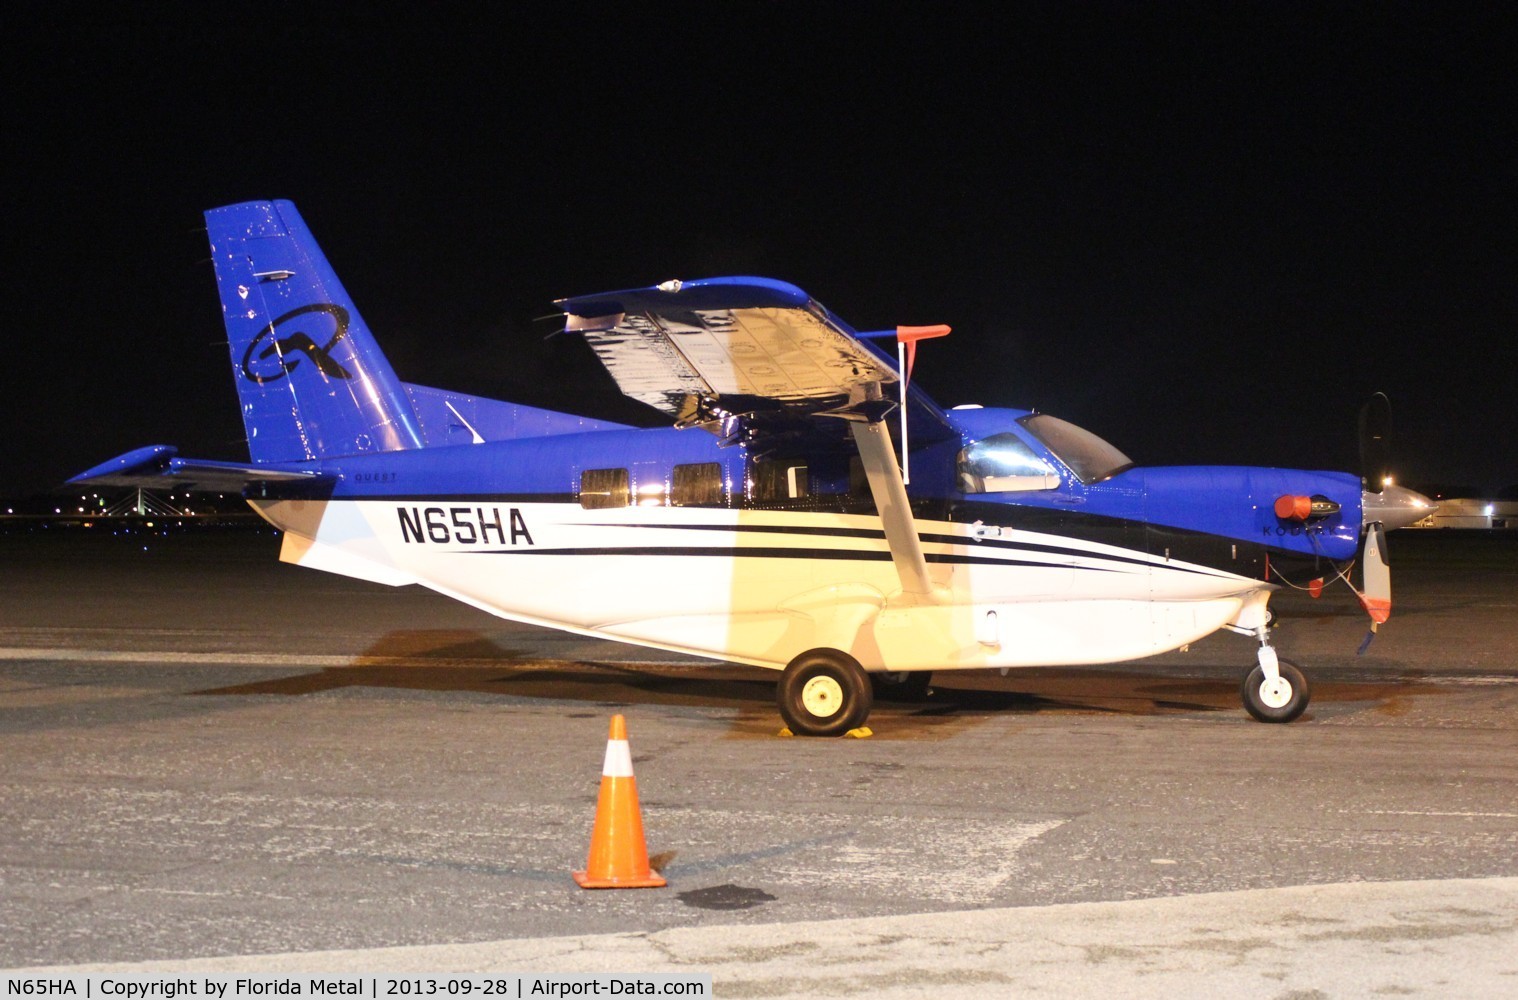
{"points": [[1275, 690]]}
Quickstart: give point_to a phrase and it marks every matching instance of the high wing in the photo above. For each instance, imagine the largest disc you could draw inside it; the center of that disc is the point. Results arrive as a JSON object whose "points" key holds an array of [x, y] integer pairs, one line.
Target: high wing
{"points": [[707, 351], [750, 359]]}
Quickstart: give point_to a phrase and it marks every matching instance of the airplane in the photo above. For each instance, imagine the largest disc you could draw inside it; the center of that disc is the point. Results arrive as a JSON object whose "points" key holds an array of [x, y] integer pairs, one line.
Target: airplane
{"points": [[807, 509]]}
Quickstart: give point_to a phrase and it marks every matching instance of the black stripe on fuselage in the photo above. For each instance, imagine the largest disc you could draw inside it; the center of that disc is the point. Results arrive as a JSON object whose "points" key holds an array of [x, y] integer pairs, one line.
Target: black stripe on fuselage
{"points": [[932, 538], [777, 552]]}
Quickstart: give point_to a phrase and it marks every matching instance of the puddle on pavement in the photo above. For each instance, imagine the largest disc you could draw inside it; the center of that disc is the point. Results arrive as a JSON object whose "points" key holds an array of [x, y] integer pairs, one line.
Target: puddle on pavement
{"points": [[725, 897]]}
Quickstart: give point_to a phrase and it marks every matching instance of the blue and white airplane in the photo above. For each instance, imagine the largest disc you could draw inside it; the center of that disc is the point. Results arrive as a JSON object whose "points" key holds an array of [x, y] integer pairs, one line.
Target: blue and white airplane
{"points": [[774, 523]]}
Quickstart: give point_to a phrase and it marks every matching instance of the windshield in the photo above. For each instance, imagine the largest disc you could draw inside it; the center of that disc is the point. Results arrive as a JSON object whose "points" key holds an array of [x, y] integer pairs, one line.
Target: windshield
{"points": [[1088, 456]]}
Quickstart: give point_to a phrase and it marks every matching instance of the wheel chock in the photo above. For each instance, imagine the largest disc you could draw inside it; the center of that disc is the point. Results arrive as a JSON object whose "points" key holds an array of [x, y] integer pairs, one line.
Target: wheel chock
{"points": [[859, 733]]}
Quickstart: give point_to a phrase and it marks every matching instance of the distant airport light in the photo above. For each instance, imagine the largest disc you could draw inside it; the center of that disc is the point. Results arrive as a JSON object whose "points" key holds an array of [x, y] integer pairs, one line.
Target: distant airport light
{"points": [[1387, 481]]}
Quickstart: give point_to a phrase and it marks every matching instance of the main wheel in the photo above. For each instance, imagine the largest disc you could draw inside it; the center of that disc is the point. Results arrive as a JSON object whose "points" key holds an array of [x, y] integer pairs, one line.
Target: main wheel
{"points": [[906, 685], [824, 692], [1280, 700]]}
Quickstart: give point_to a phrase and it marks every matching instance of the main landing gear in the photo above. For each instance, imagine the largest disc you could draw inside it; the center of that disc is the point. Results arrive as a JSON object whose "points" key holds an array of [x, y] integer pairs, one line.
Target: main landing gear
{"points": [[1275, 690], [824, 692]]}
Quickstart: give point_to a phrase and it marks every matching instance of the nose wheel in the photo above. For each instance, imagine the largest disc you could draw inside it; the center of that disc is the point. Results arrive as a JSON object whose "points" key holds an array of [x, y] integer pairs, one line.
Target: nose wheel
{"points": [[1275, 690]]}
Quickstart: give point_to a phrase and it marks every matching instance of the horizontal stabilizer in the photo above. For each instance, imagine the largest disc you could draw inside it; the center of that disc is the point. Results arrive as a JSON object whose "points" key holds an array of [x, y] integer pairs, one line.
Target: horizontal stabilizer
{"points": [[157, 467]]}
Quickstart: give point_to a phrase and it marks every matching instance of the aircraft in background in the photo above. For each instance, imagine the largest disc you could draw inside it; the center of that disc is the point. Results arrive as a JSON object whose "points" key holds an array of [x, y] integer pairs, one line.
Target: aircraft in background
{"points": [[773, 523]]}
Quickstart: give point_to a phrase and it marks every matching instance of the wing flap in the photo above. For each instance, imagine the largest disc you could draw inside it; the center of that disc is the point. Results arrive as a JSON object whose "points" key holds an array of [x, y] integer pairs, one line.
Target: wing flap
{"points": [[643, 362]]}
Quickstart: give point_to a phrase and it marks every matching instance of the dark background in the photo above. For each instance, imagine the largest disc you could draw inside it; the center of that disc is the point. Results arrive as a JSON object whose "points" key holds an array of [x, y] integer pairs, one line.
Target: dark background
{"points": [[1205, 231]]}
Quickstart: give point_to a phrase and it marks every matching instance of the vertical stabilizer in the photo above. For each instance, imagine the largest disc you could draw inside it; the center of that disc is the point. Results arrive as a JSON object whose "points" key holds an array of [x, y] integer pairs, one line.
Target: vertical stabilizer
{"points": [[310, 378]]}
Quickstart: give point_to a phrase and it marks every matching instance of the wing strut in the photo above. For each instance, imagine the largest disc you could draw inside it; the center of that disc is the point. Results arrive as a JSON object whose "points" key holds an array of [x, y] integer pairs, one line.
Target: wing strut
{"points": [[895, 509]]}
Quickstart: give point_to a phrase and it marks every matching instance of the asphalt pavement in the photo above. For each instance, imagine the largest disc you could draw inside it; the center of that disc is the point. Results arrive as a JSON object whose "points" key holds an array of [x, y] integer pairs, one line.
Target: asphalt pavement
{"points": [[210, 754]]}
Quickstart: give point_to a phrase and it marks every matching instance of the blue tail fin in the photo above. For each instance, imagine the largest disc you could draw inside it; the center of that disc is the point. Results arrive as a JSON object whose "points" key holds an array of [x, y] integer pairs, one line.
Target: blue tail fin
{"points": [[311, 379]]}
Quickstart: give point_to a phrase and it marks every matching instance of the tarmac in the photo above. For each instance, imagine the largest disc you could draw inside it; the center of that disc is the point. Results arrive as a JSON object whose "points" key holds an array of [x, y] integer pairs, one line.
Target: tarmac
{"points": [[217, 763], [1406, 939]]}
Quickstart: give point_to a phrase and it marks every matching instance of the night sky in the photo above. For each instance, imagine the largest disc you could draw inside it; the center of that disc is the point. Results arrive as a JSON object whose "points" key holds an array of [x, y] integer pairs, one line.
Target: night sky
{"points": [[1204, 231]]}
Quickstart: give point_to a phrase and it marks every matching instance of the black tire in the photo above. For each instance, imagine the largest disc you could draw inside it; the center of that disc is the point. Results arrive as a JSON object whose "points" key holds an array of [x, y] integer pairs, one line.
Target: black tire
{"points": [[824, 692], [910, 685], [1280, 703]]}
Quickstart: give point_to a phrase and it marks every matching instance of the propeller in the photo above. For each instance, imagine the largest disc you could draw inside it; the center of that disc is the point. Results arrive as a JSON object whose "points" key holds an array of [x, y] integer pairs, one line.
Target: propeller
{"points": [[1384, 506], [1375, 441]]}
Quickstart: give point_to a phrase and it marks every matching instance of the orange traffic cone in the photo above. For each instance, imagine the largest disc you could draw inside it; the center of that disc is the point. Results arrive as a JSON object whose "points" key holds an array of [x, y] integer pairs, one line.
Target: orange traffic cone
{"points": [[618, 855]]}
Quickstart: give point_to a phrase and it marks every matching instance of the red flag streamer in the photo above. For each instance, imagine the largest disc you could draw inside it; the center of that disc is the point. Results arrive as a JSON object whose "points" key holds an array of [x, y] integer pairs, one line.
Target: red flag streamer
{"points": [[906, 356]]}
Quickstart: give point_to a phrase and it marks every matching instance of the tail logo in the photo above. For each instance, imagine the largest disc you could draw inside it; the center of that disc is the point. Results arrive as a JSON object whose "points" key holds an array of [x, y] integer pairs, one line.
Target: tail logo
{"points": [[274, 361]]}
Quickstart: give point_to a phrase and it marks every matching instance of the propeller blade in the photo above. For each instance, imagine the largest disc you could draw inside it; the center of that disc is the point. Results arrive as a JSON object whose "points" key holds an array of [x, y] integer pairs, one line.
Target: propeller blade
{"points": [[1375, 441], [1383, 507], [1375, 597]]}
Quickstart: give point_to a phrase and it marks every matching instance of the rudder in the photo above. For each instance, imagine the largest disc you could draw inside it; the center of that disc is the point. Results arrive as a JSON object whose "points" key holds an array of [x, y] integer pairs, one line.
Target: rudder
{"points": [[310, 378]]}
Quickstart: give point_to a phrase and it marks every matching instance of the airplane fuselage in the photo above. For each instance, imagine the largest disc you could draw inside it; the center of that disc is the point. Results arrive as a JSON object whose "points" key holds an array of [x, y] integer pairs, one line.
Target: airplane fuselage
{"points": [[663, 538]]}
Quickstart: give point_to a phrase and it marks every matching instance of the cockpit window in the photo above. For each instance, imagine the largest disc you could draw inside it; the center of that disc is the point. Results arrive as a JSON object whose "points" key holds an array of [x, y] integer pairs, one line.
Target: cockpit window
{"points": [[1088, 456], [1003, 463]]}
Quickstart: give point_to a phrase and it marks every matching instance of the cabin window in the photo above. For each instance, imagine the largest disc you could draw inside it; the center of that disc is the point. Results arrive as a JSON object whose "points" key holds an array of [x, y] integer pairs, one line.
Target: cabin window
{"points": [[779, 480], [1003, 463], [601, 488], [697, 485]]}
